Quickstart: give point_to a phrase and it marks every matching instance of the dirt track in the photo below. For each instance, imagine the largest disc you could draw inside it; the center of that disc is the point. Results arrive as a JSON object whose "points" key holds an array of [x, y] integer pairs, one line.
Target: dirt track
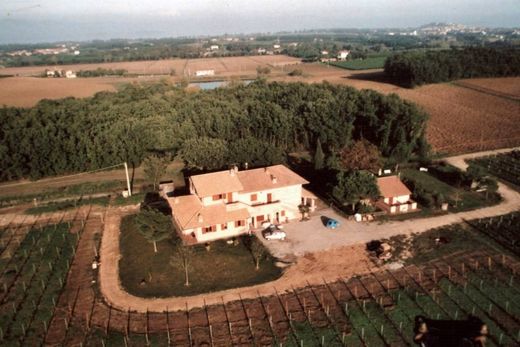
{"points": [[312, 268]]}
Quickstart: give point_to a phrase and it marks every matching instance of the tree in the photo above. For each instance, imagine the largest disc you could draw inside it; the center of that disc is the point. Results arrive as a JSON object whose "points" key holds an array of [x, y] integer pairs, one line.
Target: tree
{"points": [[362, 155], [257, 251], [353, 186], [304, 210], [154, 226], [475, 173], [182, 258], [154, 169], [204, 153], [319, 157]]}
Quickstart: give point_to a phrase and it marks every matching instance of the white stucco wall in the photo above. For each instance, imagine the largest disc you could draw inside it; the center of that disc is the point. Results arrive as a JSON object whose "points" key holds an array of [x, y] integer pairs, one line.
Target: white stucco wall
{"points": [[221, 234], [287, 195], [403, 199]]}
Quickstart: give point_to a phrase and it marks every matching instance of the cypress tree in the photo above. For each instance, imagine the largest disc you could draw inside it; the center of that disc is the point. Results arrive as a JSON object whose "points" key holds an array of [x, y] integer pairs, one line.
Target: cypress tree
{"points": [[319, 156]]}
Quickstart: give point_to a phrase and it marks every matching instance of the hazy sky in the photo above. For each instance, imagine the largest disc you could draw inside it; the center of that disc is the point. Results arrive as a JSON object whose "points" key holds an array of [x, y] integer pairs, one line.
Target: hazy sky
{"points": [[55, 20]]}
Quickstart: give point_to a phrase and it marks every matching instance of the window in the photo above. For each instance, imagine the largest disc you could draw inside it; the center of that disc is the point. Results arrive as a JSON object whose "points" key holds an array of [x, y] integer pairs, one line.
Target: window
{"points": [[223, 226], [218, 197], [253, 197], [260, 218], [282, 213], [240, 223], [209, 229]]}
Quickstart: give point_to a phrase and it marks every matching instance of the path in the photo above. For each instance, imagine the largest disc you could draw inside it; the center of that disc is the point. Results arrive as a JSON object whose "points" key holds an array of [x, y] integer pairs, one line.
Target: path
{"points": [[312, 268]]}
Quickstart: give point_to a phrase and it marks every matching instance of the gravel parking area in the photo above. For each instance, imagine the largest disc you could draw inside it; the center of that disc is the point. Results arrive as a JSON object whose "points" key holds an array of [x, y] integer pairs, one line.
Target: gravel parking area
{"points": [[312, 235]]}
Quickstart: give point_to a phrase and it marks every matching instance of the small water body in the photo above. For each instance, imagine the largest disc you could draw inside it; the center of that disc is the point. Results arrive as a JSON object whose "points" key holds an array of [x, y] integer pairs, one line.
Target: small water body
{"points": [[214, 84]]}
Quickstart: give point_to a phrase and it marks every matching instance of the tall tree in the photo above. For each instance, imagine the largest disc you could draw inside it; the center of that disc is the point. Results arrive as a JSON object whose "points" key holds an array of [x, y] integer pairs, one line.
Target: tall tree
{"points": [[182, 258], [154, 226], [257, 251], [362, 155], [204, 153], [353, 186], [319, 157], [154, 169]]}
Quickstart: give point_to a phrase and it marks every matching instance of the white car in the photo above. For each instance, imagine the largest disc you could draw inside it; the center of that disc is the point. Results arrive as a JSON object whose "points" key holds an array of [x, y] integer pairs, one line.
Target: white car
{"points": [[274, 233]]}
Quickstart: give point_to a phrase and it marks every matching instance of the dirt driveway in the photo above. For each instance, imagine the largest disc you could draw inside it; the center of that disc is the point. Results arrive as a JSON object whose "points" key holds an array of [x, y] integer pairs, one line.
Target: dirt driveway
{"points": [[312, 236]]}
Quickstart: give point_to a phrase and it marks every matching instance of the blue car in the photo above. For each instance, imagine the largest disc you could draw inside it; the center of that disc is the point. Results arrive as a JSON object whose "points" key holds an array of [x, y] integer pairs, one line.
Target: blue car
{"points": [[332, 223]]}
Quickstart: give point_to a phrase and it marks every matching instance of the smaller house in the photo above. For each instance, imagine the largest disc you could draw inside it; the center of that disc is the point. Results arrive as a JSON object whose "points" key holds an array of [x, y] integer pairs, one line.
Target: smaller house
{"points": [[204, 73], [70, 74], [261, 50], [214, 47], [395, 196], [342, 55]]}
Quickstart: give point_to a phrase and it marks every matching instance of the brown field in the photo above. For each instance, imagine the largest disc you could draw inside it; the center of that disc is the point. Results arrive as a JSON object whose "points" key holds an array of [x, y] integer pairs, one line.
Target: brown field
{"points": [[466, 115], [27, 91], [507, 87], [462, 119], [222, 66]]}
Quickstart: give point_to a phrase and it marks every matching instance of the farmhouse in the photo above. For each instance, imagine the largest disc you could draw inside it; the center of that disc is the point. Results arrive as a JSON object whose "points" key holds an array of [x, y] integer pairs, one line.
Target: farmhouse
{"points": [[229, 203], [395, 196], [342, 55]]}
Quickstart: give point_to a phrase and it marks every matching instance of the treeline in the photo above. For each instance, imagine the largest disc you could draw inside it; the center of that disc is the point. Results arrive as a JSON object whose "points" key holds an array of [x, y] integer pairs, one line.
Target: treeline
{"points": [[412, 69], [101, 72], [258, 123]]}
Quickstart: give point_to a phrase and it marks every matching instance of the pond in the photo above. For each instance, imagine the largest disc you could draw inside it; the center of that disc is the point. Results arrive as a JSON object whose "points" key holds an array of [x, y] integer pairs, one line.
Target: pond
{"points": [[214, 84]]}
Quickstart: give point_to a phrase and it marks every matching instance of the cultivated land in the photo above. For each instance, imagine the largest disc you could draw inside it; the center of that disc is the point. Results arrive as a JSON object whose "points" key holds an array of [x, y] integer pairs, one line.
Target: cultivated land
{"points": [[222, 66], [466, 116], [375, 308], [334, 294]]}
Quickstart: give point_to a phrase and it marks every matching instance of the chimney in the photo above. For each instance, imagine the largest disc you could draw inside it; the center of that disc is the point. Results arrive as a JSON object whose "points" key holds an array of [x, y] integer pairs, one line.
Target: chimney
{"points": [[246, 165], [274, 179], [199, 218], [231, 172]]}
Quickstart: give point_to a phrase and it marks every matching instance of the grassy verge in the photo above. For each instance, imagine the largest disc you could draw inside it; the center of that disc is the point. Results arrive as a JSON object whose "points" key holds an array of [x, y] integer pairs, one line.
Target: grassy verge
{"points": [[67, 204], [86, 188], [134, 199], [147, 274]]}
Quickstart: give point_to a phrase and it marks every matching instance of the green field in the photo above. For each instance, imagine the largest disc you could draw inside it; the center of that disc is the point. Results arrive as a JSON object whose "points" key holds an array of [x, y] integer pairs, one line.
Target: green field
{"points": [[377, 62], [222, 267]]}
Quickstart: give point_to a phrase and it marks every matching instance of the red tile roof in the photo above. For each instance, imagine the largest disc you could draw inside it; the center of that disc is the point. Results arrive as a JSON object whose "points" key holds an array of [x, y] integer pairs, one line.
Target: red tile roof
{"points": [[392, 186]]}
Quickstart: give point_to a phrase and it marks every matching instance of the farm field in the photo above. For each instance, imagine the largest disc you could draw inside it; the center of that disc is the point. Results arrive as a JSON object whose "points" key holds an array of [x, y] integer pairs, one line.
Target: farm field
{"points": [[27, 91], [22, 90], [462, 119], [362, 64], [223, 66], [505, 166], [506, 87], [374, 309]]}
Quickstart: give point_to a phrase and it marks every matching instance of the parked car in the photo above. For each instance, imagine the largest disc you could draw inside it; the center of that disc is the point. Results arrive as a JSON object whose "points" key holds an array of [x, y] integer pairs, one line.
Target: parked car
{"points": [[273, 232], [332, 223]]}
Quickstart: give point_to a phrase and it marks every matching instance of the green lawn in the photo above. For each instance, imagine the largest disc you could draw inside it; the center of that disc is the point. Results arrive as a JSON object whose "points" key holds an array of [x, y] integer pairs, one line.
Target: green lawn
{"points": [[377, 62], [459, 198], [67, 205], [223, 267]]}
